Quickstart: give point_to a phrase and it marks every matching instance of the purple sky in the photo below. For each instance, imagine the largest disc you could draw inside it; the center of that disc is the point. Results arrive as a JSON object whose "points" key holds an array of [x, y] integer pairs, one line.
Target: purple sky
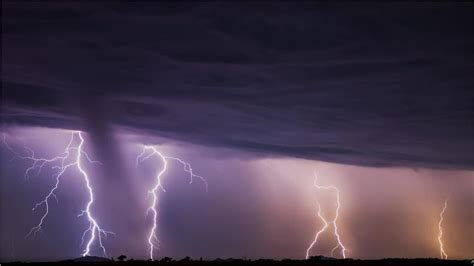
{"points": [[256, 206], [380, 85], [377, 97]]}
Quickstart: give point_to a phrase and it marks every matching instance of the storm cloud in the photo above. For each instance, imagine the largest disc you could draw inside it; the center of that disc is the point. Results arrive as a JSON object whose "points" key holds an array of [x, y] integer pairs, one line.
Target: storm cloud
{"points": [[384, 85]]}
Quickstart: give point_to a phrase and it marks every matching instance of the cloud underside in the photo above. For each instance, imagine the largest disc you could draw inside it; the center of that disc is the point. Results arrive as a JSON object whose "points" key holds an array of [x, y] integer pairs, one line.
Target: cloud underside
{"points": [[390, 85]]}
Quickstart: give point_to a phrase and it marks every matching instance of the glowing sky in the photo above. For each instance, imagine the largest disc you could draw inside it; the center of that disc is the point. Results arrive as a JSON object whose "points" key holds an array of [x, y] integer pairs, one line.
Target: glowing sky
{"points": [[377, 98], [255, 207]]}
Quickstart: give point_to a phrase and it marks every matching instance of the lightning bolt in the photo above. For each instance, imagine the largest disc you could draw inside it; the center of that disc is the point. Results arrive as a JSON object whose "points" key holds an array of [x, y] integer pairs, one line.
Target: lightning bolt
{"points": [[325, 222], [71, 157], [37, 163], [147, 153], [443, 254]]}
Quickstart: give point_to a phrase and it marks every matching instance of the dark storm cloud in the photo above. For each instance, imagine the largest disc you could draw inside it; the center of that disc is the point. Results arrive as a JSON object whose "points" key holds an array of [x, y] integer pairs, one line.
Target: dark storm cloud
{"points": [[359, 84]]}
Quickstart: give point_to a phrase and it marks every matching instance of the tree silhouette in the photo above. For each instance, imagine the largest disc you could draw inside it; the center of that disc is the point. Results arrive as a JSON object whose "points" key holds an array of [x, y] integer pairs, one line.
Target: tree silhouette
{"points": [[186, 259], [166, 259], [121, 258]]}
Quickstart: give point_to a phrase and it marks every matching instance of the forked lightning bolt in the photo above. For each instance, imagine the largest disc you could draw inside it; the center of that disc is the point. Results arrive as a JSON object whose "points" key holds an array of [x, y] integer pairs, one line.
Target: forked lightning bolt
{"points": [[326, 224], [71, 157], [147, 153], [442, 252]]}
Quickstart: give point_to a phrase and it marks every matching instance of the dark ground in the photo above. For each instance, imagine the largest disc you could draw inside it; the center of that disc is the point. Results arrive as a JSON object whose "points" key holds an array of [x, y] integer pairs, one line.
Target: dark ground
{"points": [[228, 262]]}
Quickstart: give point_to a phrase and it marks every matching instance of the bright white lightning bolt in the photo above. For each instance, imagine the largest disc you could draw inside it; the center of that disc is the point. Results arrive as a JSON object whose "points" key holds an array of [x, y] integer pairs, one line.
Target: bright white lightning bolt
{"points": [[148, 152], [332, 222], [74, 153], [443, 254]]}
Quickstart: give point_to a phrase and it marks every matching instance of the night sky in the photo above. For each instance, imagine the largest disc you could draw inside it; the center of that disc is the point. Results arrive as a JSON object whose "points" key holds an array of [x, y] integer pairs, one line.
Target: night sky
{"points": [[376, 98]]}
